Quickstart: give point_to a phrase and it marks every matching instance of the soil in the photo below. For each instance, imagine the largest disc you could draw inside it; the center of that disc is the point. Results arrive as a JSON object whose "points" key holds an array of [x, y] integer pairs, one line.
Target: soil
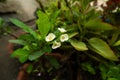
{"points": [[9, 67]]}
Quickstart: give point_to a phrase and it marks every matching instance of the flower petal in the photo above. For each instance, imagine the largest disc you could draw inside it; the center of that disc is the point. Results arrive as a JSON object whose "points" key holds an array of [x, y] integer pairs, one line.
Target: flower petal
{"points": [[56, 45], [64, 37], [62, 30], [50, 37]]}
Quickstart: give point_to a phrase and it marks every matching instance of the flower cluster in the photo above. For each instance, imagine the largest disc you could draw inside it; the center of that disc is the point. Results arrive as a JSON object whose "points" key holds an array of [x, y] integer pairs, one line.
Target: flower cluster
{"points": [[57, 43], [99, 4]]}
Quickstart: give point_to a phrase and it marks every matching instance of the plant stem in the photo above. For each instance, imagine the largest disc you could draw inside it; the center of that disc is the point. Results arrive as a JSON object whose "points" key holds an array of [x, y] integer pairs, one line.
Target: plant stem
{"points": [[41, 5]]}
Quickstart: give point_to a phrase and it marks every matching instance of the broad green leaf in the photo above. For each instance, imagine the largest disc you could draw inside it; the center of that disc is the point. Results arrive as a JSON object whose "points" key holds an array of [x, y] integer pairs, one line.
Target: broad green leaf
{"points": [[96, 24], [43, 23], [117, 43], [21, 54], [36, 55], [21, 42], [25, 27], [78, 45], [102, 48]]}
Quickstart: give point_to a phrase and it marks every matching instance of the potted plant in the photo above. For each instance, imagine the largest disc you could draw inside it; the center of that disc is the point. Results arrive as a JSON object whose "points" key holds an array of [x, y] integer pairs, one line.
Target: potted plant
{"points": [[72, 40]]}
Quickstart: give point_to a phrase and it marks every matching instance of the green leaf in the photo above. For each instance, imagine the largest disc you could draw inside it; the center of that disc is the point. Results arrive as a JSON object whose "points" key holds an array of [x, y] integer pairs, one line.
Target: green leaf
{"points": [[21, 54], [30, 68], [43, 23], [54, 16], [117, 43], [102, 48], [25, 27], [78, 45], [103, 71], [36, 55], [21, 42], [112, 79], [26, 37], [1, 21], [47, 48], [87, 66], [96, 24]]}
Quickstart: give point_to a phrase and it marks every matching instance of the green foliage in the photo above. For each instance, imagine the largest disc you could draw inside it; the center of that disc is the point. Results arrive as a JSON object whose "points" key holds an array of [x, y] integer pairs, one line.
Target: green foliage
{"points": [[30, 68], [88, 67], [117, 43], [25, 27], [43, 23], [35, 55], [78, 45], [111, 71], [98, 25], [1, 21], [4, 28], [21, 54], [102, 48], [65, 29], [21, 42]]}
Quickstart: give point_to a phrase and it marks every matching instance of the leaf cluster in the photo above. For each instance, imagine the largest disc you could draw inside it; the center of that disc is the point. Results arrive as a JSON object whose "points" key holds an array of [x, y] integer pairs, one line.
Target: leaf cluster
{"points": [[88, 35]]}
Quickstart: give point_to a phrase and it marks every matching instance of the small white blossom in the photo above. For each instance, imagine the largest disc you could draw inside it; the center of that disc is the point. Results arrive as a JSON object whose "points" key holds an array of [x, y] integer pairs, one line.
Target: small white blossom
{"points": [[39, 74], [56, 45], [92, 3], [99, 5], [62, 30], [64, 37], [115, 10], [50, 37], [102, 3]]}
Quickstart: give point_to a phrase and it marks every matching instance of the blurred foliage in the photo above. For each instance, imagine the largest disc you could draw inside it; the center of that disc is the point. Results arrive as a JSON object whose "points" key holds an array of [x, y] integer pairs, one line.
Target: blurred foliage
{"points": [[92, 45], [2, 0]]}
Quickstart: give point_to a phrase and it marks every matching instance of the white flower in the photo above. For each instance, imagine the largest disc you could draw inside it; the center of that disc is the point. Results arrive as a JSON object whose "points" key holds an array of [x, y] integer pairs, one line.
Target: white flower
{"points": [[64, 37], [62, 30], [92, 3], [50, 37], [115, 10], [56, 45], [102, 3]]}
